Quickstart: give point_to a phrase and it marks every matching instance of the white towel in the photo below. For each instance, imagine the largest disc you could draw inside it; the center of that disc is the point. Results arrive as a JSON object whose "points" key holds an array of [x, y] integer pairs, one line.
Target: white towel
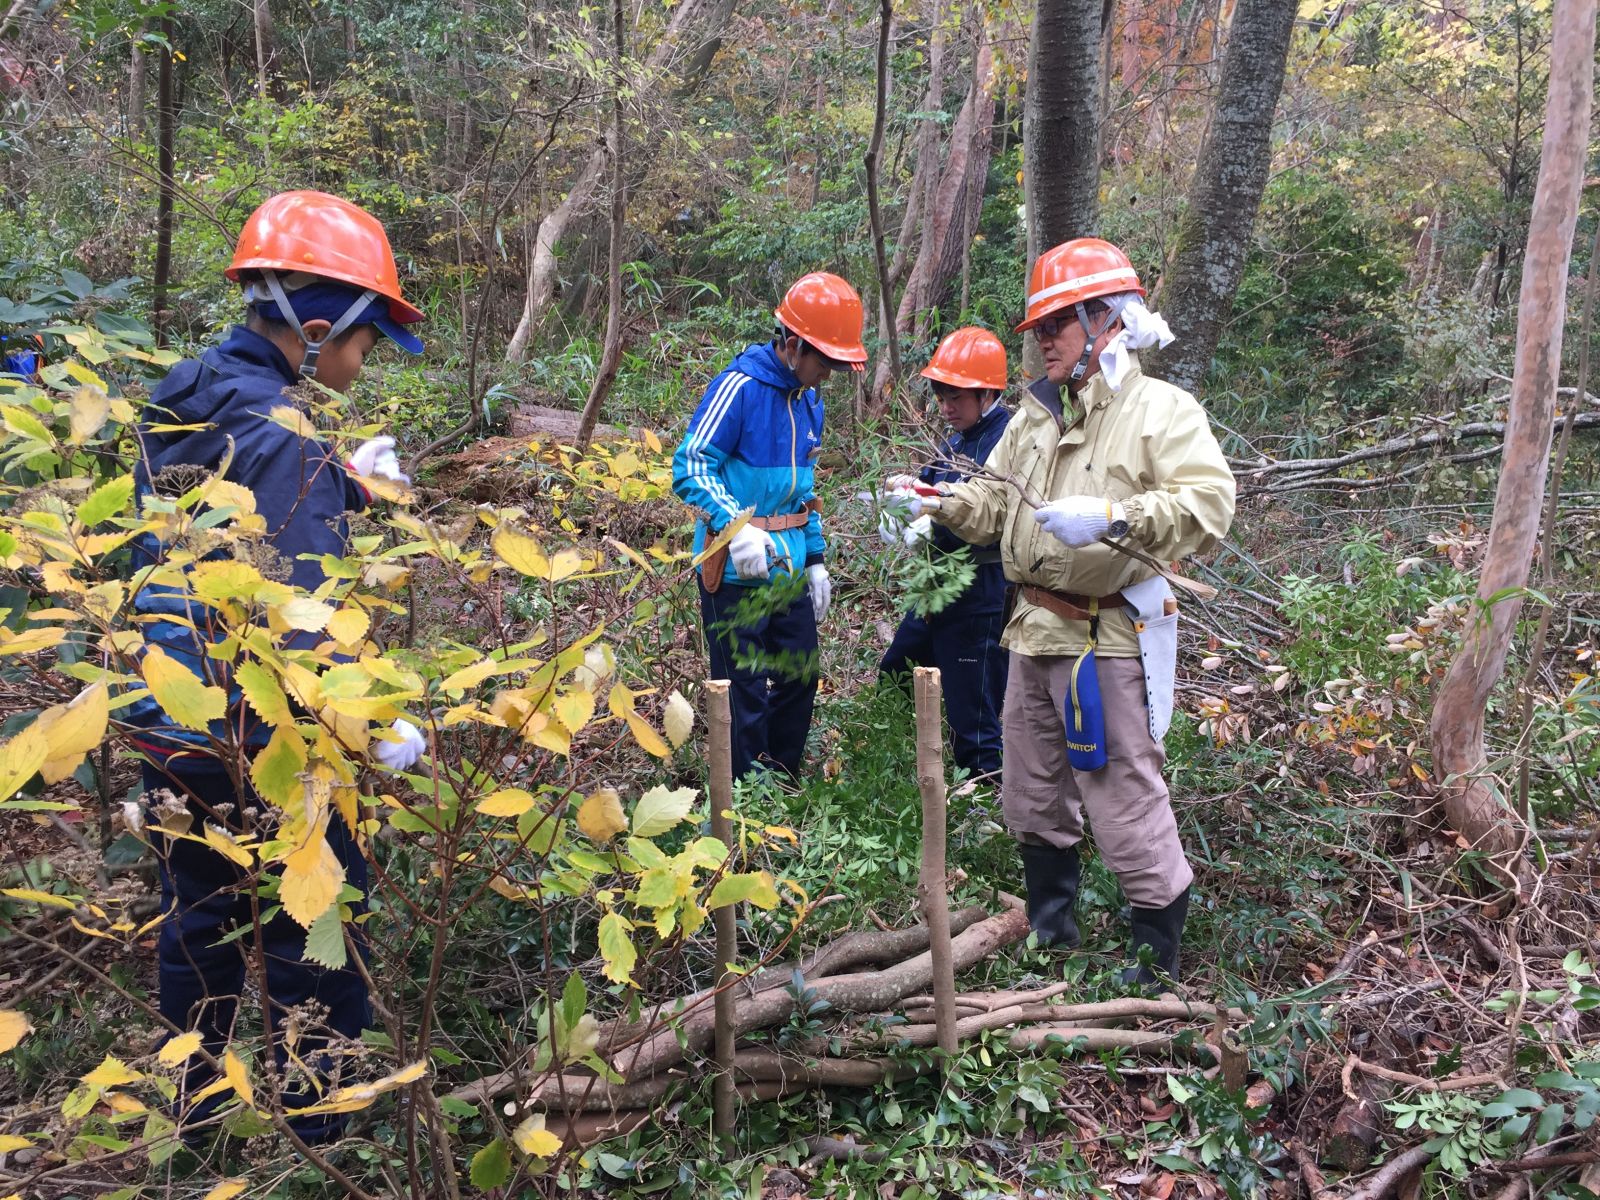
{"points": [[1140, 328]]}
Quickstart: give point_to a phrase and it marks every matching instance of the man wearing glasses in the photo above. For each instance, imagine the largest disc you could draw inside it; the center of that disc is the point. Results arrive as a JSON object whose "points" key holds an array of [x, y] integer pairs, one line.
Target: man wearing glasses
{"points": [[967, 374], [1099, 452], [750, 445]]}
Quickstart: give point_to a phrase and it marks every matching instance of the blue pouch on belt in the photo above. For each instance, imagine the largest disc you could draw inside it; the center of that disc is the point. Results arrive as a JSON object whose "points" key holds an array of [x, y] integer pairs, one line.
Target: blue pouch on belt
{"points": [[1083, 711]]}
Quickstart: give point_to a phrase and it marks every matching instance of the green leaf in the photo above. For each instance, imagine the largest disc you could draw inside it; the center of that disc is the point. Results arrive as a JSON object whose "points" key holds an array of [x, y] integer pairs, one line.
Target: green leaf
{"points": [[491, 1166], [158, 1131], [574, 1000], [1175, 1162], [1550, 1122], [452, 1106], [757, 887], [106, 501], [661, 809], [616, 947], [325, 940], [1179, 1091], [276, 770], [1521, 1098], [657, 889]]}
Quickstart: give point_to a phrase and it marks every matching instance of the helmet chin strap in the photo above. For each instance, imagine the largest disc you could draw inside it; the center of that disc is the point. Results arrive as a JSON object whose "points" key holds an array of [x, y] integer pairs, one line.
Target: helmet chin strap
{"points": [[308, 362], [1091, 335]]}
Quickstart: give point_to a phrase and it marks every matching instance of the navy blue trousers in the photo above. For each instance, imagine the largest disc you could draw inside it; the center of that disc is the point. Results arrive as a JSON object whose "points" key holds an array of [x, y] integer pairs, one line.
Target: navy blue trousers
{"points": [[207, 896], [770, 658], [964, 643]]}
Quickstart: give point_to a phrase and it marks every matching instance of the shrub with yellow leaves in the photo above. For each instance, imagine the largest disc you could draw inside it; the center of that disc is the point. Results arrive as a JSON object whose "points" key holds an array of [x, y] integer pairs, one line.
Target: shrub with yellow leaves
{"points": [[513, 809]]}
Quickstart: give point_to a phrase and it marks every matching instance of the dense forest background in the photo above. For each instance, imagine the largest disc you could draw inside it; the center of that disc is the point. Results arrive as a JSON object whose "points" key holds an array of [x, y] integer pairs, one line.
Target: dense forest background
{"points": [[595, 206]]}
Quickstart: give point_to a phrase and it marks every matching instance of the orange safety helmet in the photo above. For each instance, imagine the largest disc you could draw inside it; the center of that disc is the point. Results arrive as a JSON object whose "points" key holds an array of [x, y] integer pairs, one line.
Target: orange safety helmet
{"points": [[826, 313], [1066, 275], [317, 234], [969, 358]]}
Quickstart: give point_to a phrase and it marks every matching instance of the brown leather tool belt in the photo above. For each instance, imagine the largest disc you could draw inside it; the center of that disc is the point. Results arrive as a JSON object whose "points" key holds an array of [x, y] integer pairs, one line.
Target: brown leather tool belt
{"points": [[1069, 605], [711, 570]]}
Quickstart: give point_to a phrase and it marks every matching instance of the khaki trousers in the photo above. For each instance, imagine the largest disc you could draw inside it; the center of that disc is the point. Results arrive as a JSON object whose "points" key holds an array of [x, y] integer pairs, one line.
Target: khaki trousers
{"points": [[1126, 801]]}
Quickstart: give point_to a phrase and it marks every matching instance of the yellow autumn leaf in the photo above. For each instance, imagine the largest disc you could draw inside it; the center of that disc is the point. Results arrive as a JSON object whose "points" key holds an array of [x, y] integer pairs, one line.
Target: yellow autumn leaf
{"points": [[565, 563], [20, 760], [90, 408], [13, 1028], [233, 1070], [223, 843], [601, 817], [534, 1140], [292, 419], [305, 614], [37, 897], [646, 736], [678, 719], [32, 640], [72, 730], [471, 676], [574, 708], [359, 1096], [261, 689], [312, 876], [179, 692], [520, 552], [227, 1189], [348, 626], [112, 1072], [179, 1049], [507, 802], [10, 1142]]}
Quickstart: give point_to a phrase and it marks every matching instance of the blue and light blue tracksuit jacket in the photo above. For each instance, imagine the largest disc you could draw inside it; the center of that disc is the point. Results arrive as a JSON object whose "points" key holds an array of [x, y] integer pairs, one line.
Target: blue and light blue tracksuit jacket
{"points": [[751, 443], [301, 489]]}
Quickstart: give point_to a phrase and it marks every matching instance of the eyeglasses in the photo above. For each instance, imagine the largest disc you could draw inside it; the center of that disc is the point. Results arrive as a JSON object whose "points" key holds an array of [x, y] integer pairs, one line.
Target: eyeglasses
{"points": [[1052, 326]]}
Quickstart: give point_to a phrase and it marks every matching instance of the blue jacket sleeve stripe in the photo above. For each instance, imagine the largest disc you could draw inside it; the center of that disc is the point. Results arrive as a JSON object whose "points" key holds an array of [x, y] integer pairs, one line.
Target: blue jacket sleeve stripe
{"points": [[701, 470]]}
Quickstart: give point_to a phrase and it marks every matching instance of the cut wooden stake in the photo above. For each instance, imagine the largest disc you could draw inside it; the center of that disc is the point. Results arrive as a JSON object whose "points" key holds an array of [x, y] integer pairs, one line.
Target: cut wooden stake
{"points": [[931, 884], [719, 721]]}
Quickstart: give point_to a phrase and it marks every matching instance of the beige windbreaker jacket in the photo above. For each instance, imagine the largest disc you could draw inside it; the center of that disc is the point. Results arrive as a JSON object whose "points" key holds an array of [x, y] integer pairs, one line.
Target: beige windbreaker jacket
{"points": [[1147, 445]]}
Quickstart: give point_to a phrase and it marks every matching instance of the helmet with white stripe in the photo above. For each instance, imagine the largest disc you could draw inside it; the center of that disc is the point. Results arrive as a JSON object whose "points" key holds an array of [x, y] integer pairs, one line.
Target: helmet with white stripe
{"points": [[1066, 275]]}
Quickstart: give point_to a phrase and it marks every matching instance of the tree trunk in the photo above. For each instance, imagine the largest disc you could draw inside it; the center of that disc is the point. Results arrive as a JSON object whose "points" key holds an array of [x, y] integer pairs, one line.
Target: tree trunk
{"points": [[166, 122], [1472, 799], [1060, 131], [136, 73], [261, 16], [350, 45], [611, 355], [1231, 176], [542, 262], [1060, 123], [950, 217], [874, 209], [932, 882]]}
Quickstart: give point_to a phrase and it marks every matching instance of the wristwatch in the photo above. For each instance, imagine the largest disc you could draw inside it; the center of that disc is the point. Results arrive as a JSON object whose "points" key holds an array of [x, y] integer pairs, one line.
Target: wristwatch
{"points": [[1119, 524]]}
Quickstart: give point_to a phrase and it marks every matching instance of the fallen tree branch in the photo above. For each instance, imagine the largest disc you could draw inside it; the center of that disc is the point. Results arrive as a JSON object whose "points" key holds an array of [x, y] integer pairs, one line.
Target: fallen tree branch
{"points": [[869, 992], [1316, 1186], [661, 1048], [1388, 1177], [1453, 1083], [1401, 444]]}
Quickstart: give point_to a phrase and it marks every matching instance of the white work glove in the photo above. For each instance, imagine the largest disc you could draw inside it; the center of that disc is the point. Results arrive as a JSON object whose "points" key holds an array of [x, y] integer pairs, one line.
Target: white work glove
{"points": [[1078, 520], [821, 589], [749, 551], [918, 531], [400, 755], [375, 458]]}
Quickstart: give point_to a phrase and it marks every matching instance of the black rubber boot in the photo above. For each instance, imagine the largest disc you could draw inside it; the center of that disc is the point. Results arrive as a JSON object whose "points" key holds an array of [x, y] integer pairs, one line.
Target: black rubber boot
{"points": [[1162, 930], [1052, 877]]}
